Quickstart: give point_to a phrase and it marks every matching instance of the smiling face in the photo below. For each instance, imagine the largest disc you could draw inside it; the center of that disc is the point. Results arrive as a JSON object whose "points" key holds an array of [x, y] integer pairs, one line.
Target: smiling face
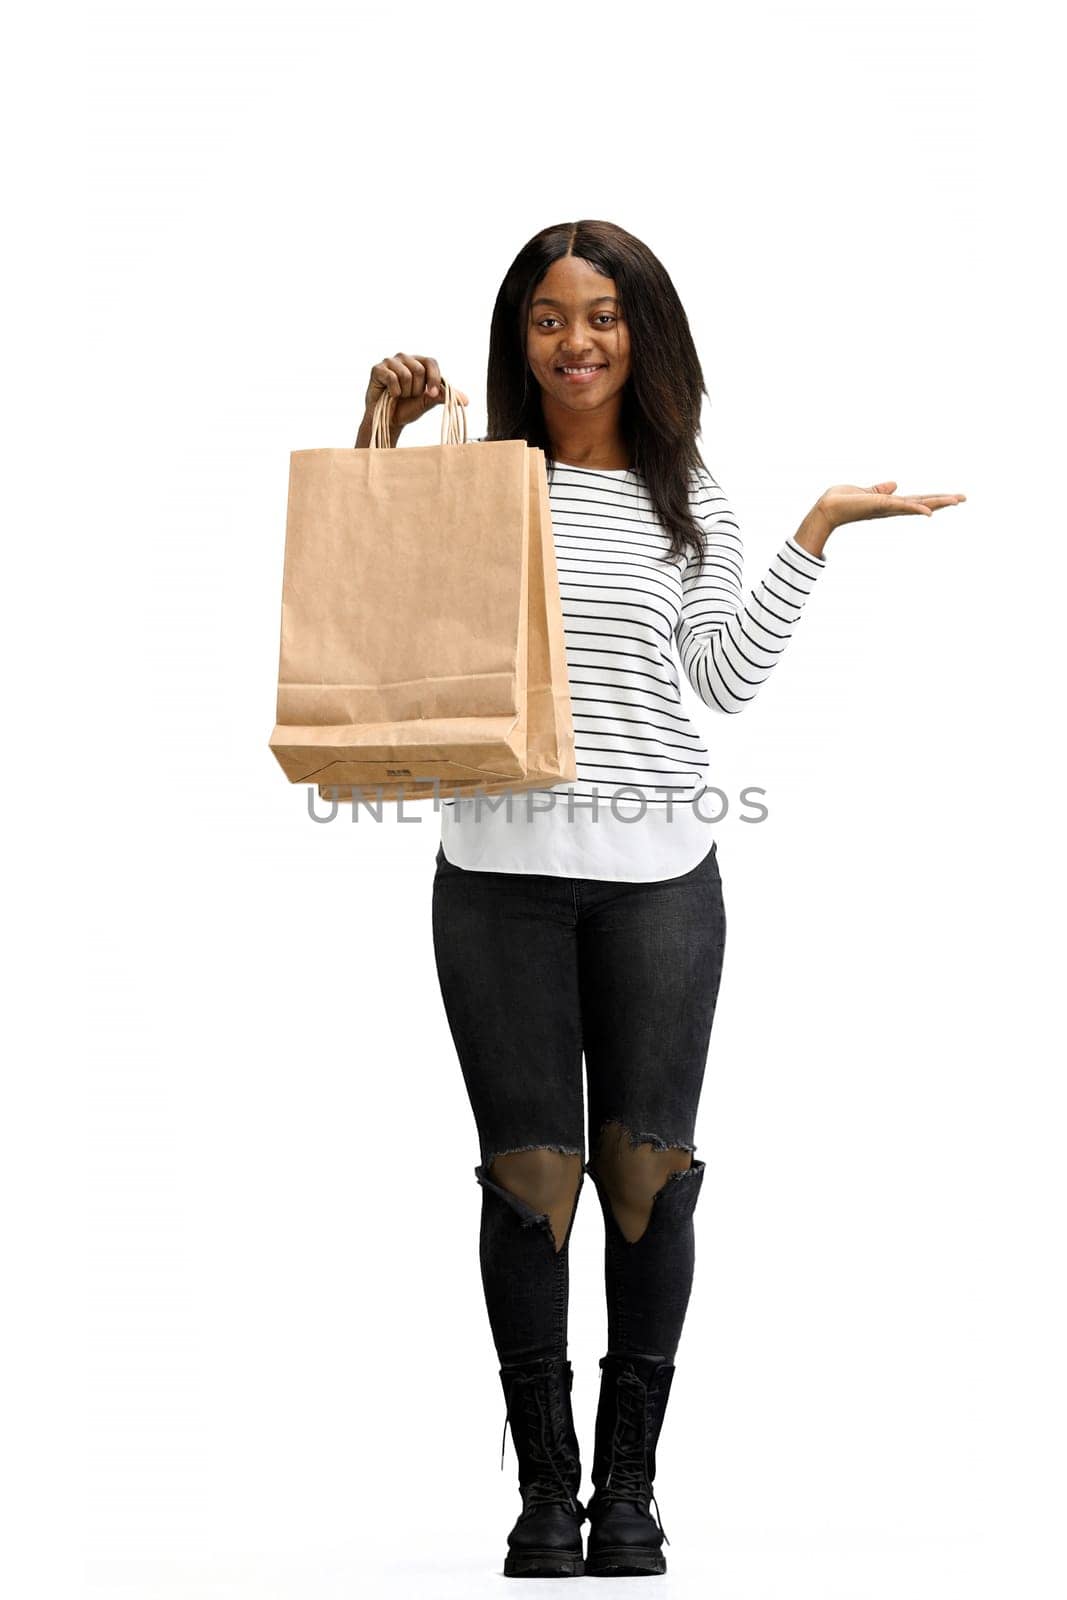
{"points": [[576, 321]]}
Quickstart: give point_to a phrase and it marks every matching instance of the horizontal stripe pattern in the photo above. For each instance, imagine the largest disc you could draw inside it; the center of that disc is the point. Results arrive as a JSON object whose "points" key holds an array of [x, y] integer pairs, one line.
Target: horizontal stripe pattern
{"points": [[729, 645], [631, 618]]}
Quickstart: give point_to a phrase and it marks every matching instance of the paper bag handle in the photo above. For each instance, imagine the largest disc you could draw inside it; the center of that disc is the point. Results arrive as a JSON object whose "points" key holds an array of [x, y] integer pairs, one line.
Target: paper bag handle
{"points": [[453, 422]]}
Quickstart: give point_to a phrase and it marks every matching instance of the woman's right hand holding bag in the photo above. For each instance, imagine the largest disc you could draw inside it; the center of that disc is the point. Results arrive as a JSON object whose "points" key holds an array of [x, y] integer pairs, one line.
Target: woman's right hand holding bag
{"points": [[415, 385]]}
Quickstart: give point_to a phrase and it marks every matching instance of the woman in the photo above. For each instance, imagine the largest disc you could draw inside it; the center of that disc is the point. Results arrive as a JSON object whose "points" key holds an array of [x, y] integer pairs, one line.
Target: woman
{"points": [[588, 918]]}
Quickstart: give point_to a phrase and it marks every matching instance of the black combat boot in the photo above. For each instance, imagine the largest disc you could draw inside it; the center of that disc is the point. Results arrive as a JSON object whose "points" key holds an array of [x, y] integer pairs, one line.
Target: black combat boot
{"points": [[623, 1539], [546, 1541]]}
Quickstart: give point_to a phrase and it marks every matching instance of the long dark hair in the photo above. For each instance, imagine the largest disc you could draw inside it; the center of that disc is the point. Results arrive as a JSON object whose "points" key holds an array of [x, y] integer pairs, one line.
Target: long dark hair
{"points": [[660, 416]]}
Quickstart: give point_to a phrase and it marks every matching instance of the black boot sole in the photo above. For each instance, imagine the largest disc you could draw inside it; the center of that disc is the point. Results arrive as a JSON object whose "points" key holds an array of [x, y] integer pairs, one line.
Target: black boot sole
{"points": [[543, 1564], [625, 1563]]}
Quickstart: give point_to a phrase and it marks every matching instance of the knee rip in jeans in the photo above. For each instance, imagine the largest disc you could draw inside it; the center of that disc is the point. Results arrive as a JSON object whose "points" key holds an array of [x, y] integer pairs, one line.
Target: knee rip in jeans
{"points": [[541, 1182], [633, 1170]]}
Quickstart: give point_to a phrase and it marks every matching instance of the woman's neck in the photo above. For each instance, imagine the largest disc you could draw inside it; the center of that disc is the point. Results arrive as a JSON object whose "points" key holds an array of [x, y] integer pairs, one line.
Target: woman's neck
{"points": [[593, 441]]}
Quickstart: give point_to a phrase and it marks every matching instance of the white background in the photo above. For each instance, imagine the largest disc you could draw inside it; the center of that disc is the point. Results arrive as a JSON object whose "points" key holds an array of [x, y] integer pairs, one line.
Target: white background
{"points": [[247, 1352]]}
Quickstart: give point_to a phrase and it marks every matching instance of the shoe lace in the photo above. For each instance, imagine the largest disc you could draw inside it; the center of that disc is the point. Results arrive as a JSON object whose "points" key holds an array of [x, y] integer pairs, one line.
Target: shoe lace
{"points": [[628, 1470], [541, 1490]]}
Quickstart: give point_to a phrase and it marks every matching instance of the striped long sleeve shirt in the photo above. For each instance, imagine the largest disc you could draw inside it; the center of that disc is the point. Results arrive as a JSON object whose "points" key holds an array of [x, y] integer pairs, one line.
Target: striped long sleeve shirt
{"points": [[631, 620]]}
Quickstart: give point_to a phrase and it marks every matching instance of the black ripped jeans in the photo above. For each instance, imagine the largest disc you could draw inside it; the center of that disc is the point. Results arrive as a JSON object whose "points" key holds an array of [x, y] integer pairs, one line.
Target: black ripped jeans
{"points": [[536, 970]]}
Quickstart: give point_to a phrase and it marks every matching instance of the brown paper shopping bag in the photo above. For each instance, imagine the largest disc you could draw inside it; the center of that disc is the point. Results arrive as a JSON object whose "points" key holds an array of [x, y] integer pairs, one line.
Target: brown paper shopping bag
{"points": [[422, 633]]}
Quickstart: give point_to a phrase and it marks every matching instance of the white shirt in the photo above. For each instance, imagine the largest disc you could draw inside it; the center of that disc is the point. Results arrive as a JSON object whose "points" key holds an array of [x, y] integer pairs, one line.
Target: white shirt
{"points": [[635, 812]]}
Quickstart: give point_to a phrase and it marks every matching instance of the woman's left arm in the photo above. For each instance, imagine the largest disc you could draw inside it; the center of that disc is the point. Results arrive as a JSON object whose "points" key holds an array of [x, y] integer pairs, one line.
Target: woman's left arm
{"points": [[729, 646]]}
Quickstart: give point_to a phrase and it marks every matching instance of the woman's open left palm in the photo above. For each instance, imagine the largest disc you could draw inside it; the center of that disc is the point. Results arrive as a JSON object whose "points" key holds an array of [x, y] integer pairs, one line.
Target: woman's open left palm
{"points": [[847, 502]]}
